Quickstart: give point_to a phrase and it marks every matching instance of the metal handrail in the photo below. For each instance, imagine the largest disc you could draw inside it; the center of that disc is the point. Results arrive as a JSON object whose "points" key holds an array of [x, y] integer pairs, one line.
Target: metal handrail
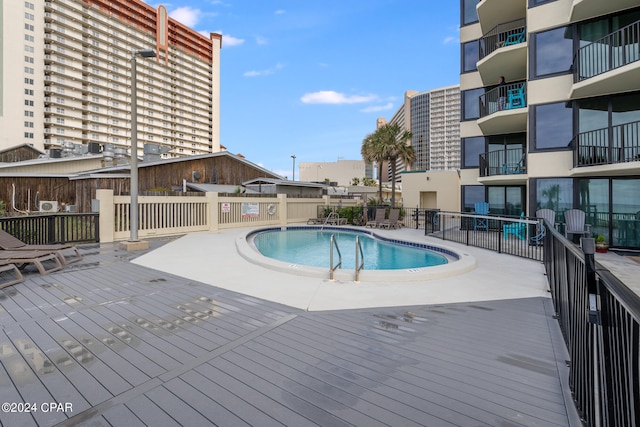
{"points": [[331, 267], [359, 253]]}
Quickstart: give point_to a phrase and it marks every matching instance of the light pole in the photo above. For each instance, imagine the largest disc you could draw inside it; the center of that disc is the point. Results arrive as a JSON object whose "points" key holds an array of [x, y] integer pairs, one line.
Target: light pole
{"points": [[133, 222], [294, 167]]}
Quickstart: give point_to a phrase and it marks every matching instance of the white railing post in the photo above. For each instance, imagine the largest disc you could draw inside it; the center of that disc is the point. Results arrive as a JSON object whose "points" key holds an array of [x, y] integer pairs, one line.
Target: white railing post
{"points": [[282, 209], [107, 215], [212, 202]]}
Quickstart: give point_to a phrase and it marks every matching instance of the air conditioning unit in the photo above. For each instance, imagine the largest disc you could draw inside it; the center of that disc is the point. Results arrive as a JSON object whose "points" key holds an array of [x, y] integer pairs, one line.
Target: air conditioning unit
{"points": [[48, 206]]}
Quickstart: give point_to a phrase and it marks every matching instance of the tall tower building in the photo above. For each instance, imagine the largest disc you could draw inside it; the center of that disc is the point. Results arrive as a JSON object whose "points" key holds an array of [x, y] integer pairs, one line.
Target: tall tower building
{"points": [[65, 69], [563, 131], [433, 118]]}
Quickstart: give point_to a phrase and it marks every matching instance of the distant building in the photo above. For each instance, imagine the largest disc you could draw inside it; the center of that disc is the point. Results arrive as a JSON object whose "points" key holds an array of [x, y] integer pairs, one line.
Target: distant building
{"points": [[65, 77], [341, 172], [433, 118]]}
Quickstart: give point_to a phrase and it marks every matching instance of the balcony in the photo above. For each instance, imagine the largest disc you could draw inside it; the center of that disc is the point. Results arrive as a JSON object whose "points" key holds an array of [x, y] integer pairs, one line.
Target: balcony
{"points": [[492, 13], [512, 161], [503, 109], [614, 145], [608, 65], [587, 9], [503, 51]]}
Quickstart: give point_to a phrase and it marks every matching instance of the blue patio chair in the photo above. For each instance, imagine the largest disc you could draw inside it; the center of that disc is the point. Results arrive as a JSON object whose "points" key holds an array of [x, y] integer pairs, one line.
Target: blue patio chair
{"points": [[518, 229], [481, 208], [515, 38], [516, 98]]}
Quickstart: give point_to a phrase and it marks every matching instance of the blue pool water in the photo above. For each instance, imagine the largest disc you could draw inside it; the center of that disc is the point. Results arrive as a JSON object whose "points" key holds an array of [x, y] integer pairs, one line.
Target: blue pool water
{"points": [[312, 246]]}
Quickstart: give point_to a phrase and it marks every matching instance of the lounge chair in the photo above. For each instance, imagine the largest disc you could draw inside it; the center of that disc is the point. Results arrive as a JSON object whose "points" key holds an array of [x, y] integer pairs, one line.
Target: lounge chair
{"points": [[575, 223], [23, 258], [7, 266], [9, 242], [392, 221], [379, 219], [518, 229]]}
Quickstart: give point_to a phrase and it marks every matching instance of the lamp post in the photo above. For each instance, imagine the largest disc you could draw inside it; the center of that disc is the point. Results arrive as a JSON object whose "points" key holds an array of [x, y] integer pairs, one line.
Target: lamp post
{"points": [[134, 243], [294, 167]]}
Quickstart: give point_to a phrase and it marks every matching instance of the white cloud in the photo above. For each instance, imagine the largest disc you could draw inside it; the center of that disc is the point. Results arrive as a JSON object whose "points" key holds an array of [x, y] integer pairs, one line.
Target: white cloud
{"points": [[186, 15], [280, 12], [450, 39], [231, 41], [261, 40], [376, 108], [267, 72], [332, 97]]}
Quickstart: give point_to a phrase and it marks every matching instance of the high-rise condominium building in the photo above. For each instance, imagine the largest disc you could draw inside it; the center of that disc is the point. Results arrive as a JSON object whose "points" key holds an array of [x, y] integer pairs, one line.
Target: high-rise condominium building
{"points": [[563, 131], [66, 70], [433, 118]]}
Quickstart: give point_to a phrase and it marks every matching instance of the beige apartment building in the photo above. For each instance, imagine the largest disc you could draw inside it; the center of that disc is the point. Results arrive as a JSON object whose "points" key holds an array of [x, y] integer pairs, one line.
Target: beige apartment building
{"points": [[433, 118], [66, 74], [564, 131]]}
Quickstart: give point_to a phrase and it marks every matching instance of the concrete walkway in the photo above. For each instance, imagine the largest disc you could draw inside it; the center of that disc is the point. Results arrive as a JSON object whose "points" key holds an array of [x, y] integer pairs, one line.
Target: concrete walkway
{"points": [[212, 258]]}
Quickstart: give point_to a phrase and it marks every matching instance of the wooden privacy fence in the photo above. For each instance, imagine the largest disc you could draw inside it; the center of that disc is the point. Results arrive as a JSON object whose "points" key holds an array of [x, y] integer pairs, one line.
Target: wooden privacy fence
{"points": [[173, 215]]}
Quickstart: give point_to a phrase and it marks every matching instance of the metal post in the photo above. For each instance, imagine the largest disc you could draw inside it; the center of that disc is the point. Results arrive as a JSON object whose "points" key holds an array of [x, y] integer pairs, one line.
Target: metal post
{"points": [[134, 243], [133, 209], [293, 174]]}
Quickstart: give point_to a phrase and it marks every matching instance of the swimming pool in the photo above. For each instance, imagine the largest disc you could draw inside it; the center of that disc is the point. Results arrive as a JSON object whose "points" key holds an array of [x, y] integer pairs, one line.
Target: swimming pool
{"points": [[312, 247], [458, 261]]}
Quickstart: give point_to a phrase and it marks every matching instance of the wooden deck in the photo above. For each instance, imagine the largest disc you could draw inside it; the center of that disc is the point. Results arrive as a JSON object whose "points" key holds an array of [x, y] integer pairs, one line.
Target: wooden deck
{"points": [[116, 344]]}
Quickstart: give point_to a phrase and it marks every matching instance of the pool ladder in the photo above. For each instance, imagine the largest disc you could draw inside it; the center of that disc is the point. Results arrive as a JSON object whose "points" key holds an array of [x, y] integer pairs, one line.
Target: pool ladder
{"points": [[359, 258]]}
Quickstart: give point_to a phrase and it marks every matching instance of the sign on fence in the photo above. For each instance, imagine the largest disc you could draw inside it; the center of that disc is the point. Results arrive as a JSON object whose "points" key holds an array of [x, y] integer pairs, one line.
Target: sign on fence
{"points": [[226, 207], [250, 210]]}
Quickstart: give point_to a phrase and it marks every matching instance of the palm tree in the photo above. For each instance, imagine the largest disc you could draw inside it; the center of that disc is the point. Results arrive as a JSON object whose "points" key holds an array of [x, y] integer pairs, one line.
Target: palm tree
{"points": [[388, 142]]}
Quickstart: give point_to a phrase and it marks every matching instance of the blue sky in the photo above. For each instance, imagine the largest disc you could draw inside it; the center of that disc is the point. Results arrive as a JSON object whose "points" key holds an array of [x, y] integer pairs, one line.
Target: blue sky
{"points": [[309, 78]]}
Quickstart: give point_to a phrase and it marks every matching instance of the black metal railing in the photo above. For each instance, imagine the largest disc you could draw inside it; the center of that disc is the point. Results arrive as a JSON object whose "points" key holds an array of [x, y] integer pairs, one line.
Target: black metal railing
{"points": [[503, 162], [507, 97], [505, 34], [600, 320], [616, 144], [54, 228], [613, 51], [511, 235]]}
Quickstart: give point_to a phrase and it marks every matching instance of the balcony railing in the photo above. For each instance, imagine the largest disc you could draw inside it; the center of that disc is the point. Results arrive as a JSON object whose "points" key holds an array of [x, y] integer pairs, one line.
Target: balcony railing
{"points": [[617, 144], [608, 53], [506, 34], [503, 162], [507, 97]]}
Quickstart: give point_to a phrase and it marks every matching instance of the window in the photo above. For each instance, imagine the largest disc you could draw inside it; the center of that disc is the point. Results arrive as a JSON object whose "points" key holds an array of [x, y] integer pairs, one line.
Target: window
{"points": [[471, 194], [28, 102], [28, 135], [553, 126], [506, 200], [552, 52], [28, 124], [28, 81], [533, 3], [471, 103], [554, 193], [28, 59], [60, 120], [470, 56], [28, 113], [29, 70], [471, 150], [28, 27], [28, 92]]}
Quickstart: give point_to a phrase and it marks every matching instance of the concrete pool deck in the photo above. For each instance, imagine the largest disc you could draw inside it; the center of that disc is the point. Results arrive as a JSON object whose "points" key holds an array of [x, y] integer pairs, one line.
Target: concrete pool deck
{"points": [[213, 258]]}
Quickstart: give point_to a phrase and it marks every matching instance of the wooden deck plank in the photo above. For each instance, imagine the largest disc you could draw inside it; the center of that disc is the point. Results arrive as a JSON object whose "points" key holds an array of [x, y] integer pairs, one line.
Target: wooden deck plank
{"points": [[92, 391], [242, 384], [150, 413], [122, 337], [113, 381], [203, 402]]}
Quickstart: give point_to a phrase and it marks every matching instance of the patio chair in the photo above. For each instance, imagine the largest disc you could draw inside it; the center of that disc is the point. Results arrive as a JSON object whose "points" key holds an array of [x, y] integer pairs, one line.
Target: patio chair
{"points": [[549, 215], [515, 38], [516, 98], [379, 219], [23, 258], [481, 208], [7, 266], [393, 221], [9, 242], [574, 223], [518, 229]]}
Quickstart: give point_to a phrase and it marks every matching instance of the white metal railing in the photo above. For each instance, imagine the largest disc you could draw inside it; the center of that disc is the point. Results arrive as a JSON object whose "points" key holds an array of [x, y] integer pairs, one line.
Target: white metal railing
{"points": [[359, 259]]}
